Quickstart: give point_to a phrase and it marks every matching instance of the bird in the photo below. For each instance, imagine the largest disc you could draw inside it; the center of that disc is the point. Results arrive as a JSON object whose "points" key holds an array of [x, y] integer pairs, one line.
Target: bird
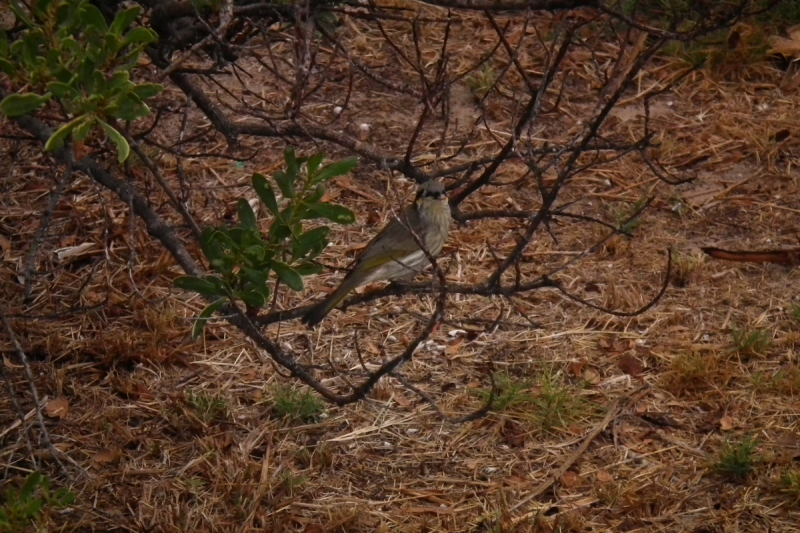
{"points": [[394, 253]]}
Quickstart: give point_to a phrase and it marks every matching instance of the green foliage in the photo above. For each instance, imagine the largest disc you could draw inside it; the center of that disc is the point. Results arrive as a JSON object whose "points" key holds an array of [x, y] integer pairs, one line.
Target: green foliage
{"points": [[746, 342], [208, 408], [622, 215], [784, 381], [23, 507], [548, 402], [482, 80], [290, 483], [510, 393], [662, 13], [790, 484], [70, 54], [736, 460], [684, 266], [557, 404], [296, 404], [781, 15], [244, 259]]}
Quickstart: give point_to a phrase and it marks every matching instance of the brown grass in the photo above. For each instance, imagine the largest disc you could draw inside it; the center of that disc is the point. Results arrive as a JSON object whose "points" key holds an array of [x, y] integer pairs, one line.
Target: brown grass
{"points": [[177, 435]]}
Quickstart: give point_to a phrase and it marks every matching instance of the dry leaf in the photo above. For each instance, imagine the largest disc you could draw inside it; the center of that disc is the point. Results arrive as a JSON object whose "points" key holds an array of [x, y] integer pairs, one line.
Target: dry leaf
{"points": [[513, 433], [591, 287], [472, 464], [72, 251], [726, 423], [106, 456], [734, 38], [454, 348], [571, 479], [591, 376], [576, 368], [787, 439], [603, 477], [402, 401], [8, 364], [5, 248], [788, 47], [57, 407], [631, 365]]}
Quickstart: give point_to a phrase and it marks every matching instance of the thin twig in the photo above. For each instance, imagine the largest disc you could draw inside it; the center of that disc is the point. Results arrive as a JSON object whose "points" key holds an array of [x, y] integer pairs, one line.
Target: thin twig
{"points": [[26, 367]]}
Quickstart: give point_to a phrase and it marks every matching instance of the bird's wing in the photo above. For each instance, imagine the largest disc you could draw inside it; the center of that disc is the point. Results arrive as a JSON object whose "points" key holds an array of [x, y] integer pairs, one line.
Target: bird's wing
{"points": [[392, 243]]}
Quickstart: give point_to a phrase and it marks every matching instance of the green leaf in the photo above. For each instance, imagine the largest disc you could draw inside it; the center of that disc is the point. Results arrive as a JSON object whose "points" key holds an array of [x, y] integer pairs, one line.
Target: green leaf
{"points": [[316, 239], [31, 510], [255, 253], [63, 497], [314, 162], [314, 195], [238, 235], [308, 269], [66, 13], [287, 275], [82, 129], [313, 236], [215, 243], [60, 89], [31, 482], [123, 148], [279, 230], [139, 35], [119, 80], [292, 164], [15, 105], [21, 13], [7, 67], [128, 107], [285, 183], [247, 217], [198, 285], [256, 277], [337, 168], [222, 286], [56, 140], [201, 321], [265, 192], [92, 17], [251, 298], [124, 19], [147, 90], [333, 212]]}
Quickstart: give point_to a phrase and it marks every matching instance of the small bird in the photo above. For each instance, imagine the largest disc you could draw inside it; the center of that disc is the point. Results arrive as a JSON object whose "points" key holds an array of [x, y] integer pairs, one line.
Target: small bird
{"points": [[394, 253]]}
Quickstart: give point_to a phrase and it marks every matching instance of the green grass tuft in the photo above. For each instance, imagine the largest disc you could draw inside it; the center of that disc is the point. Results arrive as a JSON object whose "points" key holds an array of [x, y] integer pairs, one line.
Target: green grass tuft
{"points": [[736, 460]]}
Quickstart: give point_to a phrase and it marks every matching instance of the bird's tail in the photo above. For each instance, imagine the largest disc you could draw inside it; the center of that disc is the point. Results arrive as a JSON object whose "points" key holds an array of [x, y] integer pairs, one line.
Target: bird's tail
{"points": [[321, 310]]}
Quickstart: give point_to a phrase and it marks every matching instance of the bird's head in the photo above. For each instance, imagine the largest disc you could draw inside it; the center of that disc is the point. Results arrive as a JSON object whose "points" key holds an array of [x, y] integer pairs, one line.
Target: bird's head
{"points": [[431, 191]]}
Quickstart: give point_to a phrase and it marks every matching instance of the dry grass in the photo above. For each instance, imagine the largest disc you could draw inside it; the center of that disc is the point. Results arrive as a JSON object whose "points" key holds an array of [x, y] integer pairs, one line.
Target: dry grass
{"points": [[177, 435]]}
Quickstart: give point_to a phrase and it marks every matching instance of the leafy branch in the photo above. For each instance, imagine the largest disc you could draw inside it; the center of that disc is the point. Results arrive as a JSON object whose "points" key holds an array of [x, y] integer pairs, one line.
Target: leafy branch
{"points": [[69, 54], [243, 258]]}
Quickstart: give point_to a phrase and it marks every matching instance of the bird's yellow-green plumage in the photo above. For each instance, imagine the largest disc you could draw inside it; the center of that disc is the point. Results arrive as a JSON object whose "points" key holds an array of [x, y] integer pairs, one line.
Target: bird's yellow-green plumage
{"points": [[394, 253]]}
